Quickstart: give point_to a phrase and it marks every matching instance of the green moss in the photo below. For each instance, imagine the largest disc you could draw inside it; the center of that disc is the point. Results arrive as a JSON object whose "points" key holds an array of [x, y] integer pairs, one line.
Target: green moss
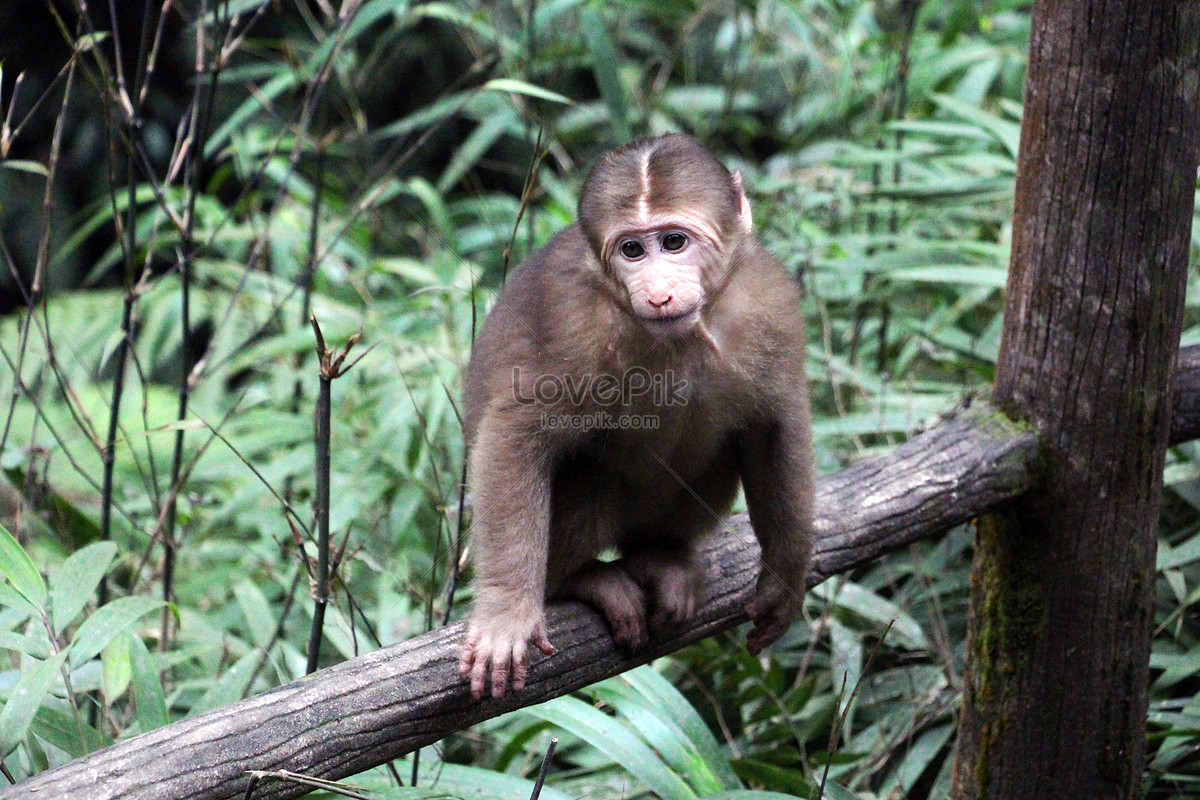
{"points": [[1011, 614], [1004, 423]]}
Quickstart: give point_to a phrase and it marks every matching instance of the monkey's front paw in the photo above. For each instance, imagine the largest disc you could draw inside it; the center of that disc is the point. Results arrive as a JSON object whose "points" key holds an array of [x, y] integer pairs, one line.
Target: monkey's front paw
{"points": [[774, 606], [500, 647]]}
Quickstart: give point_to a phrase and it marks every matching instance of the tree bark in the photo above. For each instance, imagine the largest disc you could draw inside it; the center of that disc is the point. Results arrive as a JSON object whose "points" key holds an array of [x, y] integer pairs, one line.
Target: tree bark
{"points": [[1055, 697], [1185, 419]]}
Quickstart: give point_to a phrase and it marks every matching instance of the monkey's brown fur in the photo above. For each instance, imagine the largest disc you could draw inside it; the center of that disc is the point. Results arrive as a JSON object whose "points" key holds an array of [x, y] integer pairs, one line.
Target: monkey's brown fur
{"points": [[549, 499]]}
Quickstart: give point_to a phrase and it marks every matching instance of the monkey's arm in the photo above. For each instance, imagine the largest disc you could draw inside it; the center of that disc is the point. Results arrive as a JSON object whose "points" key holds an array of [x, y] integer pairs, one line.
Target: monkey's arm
{"points": [[779, 483], [510, 528]]}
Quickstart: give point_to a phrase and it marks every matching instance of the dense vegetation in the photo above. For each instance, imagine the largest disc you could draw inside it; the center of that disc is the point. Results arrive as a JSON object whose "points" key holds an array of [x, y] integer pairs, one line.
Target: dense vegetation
{"points": [[382, 170]]}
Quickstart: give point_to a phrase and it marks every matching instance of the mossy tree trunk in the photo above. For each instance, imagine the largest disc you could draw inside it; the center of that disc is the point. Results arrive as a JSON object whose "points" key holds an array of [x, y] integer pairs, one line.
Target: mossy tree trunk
{"points": [[1062, 596]]}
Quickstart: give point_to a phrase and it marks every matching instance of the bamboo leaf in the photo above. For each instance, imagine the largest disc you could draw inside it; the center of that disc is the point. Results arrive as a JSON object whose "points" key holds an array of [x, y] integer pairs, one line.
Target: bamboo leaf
{"points": [[605, 67], [77, 580], [18, 568], [618, 742], [108, 622], [25, 699]]}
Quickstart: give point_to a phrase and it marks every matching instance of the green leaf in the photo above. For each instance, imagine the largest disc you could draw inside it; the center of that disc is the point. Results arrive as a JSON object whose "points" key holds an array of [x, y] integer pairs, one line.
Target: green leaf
{"points": [[967, 274], [427, 116], [116, 667], [252, 602], [660, 731], [516, 745], [31, 644], [106, 623], [1006, 132], [16, 565], [10, 598], [604, 66], [1185, 553], [22, 165], [758, 794], [252, 105], [848, 596], [764, 773], [662, 694], [231, 686], [521, 87], [90, 40], [916, 759], [617, 742], [76, 582], [476, 783], [147, 688], [25, 699], [67, 731], [474, 147]]}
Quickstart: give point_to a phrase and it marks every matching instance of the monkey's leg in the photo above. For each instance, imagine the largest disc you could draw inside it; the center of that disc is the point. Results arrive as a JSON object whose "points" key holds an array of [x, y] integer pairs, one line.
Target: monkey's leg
{"points": [[662, 556], [608, 587], [587, 516], [671, 577]]}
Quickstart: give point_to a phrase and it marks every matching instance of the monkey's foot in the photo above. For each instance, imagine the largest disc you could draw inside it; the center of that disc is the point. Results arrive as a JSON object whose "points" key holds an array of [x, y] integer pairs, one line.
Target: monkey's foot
{"points": [[678, 591], [611, 589], [673, 582]]}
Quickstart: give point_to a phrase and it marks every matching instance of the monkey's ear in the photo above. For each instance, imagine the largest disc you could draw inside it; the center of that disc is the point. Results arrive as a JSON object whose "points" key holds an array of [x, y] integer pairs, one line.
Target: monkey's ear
{"points": [[744, 215]]}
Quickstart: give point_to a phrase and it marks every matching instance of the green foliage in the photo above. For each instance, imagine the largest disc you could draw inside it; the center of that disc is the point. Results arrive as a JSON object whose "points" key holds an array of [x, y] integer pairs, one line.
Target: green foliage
{"points": [[382, 171]]}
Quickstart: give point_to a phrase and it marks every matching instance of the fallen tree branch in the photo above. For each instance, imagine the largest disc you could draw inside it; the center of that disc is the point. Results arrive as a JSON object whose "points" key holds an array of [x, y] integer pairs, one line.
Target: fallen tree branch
{"points": [[1185, 413], [370, 710]]}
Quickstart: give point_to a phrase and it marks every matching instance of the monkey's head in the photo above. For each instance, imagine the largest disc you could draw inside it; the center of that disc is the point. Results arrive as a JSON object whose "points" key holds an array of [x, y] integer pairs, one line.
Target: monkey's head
{"points": [[665, 219]]}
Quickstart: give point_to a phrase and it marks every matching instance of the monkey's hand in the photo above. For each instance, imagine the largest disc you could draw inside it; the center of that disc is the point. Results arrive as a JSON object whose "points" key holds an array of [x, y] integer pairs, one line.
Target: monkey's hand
{"points": [[774, 606], [499, 644]]}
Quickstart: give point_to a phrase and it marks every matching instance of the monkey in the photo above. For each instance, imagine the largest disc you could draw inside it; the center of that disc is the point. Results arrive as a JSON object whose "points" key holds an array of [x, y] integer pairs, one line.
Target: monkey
{"points": [[631, 374]]}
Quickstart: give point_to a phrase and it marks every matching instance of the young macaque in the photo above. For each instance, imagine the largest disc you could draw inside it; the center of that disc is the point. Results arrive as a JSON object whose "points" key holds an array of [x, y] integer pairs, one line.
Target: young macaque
{"points": [[632, 372]]}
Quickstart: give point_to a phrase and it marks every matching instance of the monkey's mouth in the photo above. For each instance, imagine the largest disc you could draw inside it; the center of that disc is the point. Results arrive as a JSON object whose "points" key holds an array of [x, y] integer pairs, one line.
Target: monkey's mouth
{"points": [[673, 324]]}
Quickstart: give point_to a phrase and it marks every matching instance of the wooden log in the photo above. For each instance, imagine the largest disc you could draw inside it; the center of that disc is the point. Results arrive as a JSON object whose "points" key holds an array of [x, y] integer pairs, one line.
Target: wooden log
{"points": [[1185, 415]]}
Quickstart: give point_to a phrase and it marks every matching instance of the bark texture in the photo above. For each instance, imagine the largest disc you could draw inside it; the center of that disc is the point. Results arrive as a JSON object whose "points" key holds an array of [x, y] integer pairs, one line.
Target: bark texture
{"points": [[1185, 420], [1055, 691]]}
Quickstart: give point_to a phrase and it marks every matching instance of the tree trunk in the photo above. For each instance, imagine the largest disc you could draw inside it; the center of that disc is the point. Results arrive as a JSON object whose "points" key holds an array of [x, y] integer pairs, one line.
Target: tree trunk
{"points": [[1062, 594]]}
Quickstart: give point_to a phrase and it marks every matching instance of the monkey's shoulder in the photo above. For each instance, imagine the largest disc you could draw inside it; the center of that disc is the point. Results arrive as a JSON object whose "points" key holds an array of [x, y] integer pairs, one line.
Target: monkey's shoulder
{"points": [[759, 315], [763, 277], [559, 306], [544, 321]]}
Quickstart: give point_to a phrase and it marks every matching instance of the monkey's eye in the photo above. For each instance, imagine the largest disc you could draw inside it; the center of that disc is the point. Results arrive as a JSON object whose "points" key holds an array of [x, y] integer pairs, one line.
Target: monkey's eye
{"points": [[632, 249], [674, 242]]}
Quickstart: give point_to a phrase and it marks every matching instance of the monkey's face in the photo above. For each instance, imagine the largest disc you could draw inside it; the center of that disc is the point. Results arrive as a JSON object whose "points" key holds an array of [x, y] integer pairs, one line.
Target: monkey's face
{"points": [[665, 218], [663, 268]]}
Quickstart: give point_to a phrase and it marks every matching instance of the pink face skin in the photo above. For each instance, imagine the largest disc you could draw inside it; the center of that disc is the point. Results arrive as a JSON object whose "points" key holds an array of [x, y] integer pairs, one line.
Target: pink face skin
{"points": [[661, 264], [662, 271]]}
